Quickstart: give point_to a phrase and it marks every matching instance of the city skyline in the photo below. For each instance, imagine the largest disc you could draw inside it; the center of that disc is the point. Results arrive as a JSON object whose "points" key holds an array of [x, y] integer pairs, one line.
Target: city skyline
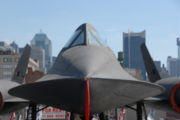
{"points": [[20, 20]]}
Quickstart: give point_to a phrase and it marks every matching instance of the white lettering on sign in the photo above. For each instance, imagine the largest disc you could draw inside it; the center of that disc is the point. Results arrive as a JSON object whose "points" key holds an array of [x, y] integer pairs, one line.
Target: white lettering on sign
{"points": [[53, 113]]}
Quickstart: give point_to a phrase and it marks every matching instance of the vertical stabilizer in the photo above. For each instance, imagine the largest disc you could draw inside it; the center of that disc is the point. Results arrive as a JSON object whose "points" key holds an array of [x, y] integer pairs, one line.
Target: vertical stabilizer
{"points": [[22, 65], [153, 73]]}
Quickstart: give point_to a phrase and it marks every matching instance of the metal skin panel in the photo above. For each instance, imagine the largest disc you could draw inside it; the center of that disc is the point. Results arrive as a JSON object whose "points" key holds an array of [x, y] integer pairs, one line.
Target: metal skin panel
{"points": [[67, 94], [112, 93], [89, 61], [105, 93], [64, 85]]}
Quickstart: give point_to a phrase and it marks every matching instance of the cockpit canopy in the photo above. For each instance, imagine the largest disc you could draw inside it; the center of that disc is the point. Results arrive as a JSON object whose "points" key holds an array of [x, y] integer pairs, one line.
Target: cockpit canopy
{"points": [[84, 35]]}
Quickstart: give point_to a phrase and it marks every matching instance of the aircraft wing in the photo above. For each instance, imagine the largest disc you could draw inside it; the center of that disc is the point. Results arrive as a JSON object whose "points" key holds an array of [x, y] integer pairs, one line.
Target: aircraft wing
{"points": [[69, 93]]}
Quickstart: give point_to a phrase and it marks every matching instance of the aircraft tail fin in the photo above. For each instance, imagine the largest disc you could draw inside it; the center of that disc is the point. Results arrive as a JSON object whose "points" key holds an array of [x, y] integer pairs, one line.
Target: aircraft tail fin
{"points": [[151, 69], [20, 70]]}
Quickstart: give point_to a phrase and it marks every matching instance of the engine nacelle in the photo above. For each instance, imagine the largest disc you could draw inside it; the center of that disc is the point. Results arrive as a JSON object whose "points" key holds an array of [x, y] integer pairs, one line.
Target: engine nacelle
{"points": [[5, 85], [170, 98], [175, 98]]}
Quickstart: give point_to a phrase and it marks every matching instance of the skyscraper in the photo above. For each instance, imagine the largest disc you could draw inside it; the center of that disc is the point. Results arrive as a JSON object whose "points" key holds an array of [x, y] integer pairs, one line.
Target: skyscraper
{"points": [[178, 44], [132, 54], [164, 72], [15, 46], [173, 66], [38, 53], [41, 40], [158, 65]]}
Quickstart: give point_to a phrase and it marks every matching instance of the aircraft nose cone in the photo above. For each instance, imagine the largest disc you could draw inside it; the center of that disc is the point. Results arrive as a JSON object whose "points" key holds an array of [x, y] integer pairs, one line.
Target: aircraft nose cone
{"points": [[74, 62], [94, 62]]}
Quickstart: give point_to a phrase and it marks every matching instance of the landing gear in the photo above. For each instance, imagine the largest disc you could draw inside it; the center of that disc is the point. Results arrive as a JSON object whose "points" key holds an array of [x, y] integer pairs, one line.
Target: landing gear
{"points": [[101, 116], [72, 116], [31, 112], [139, 111]]}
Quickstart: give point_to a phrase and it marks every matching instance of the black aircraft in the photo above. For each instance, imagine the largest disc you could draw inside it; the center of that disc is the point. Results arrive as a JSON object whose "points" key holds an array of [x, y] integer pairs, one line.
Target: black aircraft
{"points": [[86, 78]]}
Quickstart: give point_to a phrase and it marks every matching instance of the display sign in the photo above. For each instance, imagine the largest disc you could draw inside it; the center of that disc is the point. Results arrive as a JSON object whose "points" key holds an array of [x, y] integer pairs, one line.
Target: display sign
{"points": [[53, 113]]}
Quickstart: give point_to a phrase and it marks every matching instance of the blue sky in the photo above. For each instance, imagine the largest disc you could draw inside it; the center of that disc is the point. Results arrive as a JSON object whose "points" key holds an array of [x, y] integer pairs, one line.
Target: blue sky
{"points": [[21, 19]]}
